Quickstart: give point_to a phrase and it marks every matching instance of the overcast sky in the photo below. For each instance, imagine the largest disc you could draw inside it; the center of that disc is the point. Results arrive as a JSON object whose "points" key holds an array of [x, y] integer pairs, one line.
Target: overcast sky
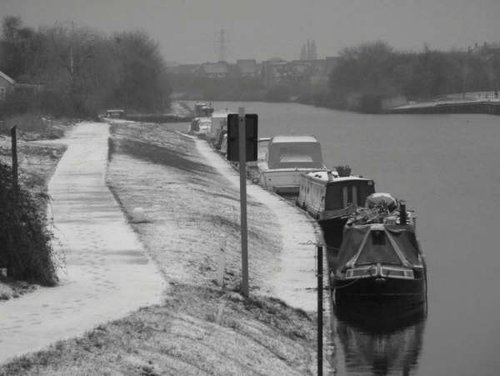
{"points": [[187, 30]]}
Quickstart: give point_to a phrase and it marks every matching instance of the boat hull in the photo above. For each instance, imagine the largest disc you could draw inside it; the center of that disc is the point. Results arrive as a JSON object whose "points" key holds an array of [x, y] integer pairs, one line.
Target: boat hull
{"points": [[380, 289], [380, 315], [332, 231], [284, 180]]}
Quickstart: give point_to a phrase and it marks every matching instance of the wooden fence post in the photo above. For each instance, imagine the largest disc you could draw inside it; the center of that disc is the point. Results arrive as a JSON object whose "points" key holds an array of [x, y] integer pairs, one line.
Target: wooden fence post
{"points": [[15, 179]]}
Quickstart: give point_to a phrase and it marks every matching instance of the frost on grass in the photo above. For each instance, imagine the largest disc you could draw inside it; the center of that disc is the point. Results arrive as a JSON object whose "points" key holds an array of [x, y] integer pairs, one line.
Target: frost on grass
{"points": [[192, 211], [255, 336]]}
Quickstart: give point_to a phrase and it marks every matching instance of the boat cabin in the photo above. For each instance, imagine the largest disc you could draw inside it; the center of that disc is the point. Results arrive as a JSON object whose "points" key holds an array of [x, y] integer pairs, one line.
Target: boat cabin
{"points": [[331, 198], [294, 152], [115, 114], [202, 109], [391, 249], [286, 158], [218, 127], [325, 194]]}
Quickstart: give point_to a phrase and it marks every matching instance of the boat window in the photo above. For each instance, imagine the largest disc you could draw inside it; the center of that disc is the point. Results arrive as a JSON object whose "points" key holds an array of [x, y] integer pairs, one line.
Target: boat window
{"points": [[340, 194], [262, 149], [345, 196], [334, 197], [364, 189], [354, 195]]}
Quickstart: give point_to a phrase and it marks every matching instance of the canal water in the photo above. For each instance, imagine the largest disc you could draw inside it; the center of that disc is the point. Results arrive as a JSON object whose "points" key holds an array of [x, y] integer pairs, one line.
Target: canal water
{"points": [[447, 167]]}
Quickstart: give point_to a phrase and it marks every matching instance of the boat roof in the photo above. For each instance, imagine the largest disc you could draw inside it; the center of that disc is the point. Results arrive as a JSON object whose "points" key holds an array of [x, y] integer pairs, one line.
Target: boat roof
{"points": [[399, 246], [294, 139], [323, 176], [221, 113]]}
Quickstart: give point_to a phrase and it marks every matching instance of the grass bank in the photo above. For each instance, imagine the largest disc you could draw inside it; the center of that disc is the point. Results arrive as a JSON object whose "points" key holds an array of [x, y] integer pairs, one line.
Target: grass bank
{"points": [[190, 214], [191, 220], [198, 331]]}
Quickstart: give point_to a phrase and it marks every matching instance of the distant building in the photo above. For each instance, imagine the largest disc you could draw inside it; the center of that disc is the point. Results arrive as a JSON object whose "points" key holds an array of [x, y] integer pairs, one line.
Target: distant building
{"points": [[274, 71], [247, 68], [308, 51], [214, 70], [300, 68], [184, 69], [7, 84]]}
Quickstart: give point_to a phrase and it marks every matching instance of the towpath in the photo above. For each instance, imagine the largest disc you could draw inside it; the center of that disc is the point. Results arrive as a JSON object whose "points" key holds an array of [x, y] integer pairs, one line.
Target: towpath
{"points": [[294, 277], [107, 273]]}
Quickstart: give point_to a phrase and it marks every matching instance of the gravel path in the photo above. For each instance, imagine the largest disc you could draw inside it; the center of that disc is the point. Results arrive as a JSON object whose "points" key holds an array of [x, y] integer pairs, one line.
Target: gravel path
{"points": [[107, 273]]}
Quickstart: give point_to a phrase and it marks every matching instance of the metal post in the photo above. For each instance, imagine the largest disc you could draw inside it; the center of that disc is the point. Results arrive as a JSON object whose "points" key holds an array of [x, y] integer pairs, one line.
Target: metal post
{"points": [[15, 182], [320, 310], [243, 201]]}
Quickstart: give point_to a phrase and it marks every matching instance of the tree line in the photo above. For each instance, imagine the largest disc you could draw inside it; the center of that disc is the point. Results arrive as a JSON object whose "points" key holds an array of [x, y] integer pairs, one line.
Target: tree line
{"points": [[77, 71], [369, 73]]}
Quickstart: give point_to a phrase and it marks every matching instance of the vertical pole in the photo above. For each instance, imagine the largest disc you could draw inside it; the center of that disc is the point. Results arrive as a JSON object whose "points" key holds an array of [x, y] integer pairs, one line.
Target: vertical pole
{"points": [[15, 182], [243, 201], [320, 310]]}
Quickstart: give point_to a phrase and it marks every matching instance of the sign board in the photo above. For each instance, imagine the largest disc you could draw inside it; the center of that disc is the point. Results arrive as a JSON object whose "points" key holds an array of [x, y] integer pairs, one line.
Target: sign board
{"points": [[251, 127]]}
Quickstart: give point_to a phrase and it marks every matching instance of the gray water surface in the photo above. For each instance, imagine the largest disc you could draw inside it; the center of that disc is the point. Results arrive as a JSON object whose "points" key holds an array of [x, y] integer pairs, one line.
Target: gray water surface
{"points": [[447, 168]]}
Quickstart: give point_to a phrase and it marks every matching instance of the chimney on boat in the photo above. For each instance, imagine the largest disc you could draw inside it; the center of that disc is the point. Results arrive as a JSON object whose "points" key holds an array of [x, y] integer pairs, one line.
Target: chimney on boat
{"points": [[403, 217], [330, 175]]}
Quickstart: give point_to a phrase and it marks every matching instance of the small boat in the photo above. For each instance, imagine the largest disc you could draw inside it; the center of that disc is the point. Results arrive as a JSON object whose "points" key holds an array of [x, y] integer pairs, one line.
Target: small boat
{"points": [[218, 127], [203, 109], [200, 126], [115, 113], [286, 159], [253, 166], [331, 196], [380, 257]]}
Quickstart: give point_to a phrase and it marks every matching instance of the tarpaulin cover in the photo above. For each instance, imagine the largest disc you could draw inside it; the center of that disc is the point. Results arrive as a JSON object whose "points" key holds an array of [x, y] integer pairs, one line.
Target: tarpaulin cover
{"points": [[378, 248], [295, 155]]}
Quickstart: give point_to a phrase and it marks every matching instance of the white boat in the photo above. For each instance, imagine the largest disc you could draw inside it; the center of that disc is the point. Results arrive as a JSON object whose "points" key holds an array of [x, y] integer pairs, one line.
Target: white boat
{"points": [[286, 159], [218, 126], [202, 109]]}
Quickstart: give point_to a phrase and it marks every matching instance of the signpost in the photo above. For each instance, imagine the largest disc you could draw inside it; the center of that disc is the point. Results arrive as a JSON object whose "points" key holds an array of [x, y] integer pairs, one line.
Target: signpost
{"points": [[243, 201], [242, 147]]}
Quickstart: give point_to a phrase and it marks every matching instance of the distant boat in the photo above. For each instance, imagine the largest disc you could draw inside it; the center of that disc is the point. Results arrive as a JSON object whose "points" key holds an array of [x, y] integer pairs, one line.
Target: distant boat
{"points": [[200, 126], [218, 127], [286, 159], [203, 109], [115, 113], [380, 257]]}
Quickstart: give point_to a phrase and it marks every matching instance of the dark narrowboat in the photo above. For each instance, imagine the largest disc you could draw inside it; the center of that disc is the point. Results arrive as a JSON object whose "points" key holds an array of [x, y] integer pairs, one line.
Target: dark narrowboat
{"points": [[380, 257]]}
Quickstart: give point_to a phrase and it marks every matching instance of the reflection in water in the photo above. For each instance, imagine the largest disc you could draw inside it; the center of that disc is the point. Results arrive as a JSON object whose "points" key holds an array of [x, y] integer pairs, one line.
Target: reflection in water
{"points": [[383, 339]]}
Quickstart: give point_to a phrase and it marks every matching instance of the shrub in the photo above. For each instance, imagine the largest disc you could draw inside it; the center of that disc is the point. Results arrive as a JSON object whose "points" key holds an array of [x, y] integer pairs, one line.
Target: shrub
{"points": [[31, 127], [25, 241]]}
